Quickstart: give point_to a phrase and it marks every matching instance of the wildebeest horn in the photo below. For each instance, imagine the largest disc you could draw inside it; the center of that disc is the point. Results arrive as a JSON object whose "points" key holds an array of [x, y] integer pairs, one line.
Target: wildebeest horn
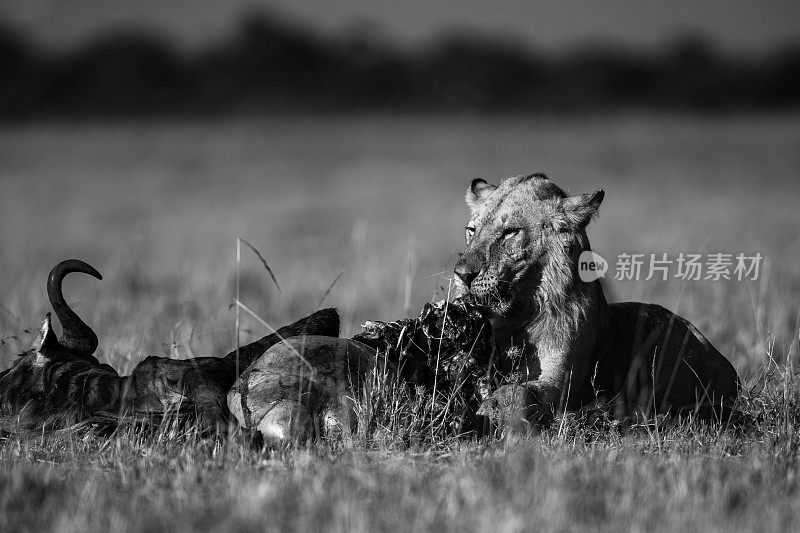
{"points": [[76, 335]]}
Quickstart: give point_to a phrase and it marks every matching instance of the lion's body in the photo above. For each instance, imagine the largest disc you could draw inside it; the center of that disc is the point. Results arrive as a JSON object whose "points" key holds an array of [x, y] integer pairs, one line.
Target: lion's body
{"points": [[524, 240], [649, 344]]}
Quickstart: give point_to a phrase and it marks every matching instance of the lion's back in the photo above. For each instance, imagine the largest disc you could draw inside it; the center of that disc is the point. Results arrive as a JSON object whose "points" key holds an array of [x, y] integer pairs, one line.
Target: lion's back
{"points": [[651, 349]]}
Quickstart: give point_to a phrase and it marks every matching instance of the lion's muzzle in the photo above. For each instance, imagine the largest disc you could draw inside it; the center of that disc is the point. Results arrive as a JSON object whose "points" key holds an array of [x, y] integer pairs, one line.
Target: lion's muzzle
{"points": [[469, 266]]}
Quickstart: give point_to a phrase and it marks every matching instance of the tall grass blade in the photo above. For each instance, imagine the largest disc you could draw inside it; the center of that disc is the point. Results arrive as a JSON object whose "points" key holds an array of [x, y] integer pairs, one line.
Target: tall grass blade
{"points": [[263, 262]]}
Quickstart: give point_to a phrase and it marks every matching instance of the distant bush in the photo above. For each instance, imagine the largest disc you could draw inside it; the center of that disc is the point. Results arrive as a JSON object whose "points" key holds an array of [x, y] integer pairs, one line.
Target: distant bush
{"points": [[272, 66]]}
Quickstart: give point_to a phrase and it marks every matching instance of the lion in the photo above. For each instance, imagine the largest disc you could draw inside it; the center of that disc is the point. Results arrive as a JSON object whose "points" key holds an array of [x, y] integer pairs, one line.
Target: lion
{"points": [[572, 348]]}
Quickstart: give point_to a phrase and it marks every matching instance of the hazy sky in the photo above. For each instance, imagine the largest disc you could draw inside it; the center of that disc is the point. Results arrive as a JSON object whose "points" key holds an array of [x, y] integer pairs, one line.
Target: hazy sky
{"points": [[739, 25]]}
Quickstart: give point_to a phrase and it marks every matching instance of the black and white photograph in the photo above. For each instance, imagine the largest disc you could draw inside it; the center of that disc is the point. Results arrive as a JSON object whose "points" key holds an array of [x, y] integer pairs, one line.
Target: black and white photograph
{"points": [[374, 265]]}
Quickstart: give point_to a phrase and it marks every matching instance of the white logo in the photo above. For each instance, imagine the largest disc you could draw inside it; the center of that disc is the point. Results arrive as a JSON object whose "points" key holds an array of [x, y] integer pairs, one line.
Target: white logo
{"points": [[591, 266]]}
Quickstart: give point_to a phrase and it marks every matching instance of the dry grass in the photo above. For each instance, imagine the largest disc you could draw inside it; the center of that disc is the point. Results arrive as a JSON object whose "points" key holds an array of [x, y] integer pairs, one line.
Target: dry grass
{"points": [[157, 208]]}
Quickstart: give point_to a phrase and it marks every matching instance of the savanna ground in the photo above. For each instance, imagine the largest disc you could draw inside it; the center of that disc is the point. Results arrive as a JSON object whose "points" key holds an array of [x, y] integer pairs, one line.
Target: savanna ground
{"points": [[377, 202]]}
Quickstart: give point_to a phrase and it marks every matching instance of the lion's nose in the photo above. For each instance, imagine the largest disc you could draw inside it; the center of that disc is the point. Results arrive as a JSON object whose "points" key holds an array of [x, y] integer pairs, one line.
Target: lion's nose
{"points": [[469, 266], [465, 272]]}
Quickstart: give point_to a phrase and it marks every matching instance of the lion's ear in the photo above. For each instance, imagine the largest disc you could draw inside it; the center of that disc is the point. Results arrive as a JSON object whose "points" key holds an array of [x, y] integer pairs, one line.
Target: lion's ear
{"points": [[477, 193], [580, 209]]}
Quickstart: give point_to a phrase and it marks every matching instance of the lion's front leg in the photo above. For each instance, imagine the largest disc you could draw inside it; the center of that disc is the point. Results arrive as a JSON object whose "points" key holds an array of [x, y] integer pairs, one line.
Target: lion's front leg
{"points": [[509, 408], [532, 401], [519, 408]]}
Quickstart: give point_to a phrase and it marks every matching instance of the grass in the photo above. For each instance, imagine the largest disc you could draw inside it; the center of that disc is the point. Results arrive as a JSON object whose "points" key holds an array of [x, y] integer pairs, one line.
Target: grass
{"points": [[375, 203]]}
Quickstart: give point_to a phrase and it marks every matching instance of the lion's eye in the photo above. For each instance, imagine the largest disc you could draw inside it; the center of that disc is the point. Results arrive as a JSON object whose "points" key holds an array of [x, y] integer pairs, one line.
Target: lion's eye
{"points": [[510, 233], [470, 231]]}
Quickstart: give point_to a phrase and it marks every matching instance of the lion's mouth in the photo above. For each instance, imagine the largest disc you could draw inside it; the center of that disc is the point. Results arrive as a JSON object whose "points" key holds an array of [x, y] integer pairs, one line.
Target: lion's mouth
{"points": [[499, 292], [492, 294]]}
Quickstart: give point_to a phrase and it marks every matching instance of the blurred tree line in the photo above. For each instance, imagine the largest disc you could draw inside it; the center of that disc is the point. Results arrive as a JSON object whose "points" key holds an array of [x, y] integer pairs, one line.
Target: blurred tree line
{"points": [[273, 66]]}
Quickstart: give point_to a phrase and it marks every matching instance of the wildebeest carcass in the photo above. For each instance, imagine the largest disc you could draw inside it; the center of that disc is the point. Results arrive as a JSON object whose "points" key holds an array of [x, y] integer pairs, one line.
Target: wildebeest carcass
{"points": [[58, 382], [309, 386]]}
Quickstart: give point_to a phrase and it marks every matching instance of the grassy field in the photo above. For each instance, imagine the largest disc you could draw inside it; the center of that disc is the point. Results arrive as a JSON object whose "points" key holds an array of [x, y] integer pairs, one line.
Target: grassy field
{"points": [[157, 209]]}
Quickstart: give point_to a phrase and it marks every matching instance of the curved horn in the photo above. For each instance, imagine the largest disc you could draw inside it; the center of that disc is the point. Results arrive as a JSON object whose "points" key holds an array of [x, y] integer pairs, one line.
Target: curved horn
{"points": [[76, 335]]}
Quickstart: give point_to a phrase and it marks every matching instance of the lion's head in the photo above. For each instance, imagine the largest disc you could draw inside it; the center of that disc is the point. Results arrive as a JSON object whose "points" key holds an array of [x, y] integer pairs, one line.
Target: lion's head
{"points": [[523, 239]]}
